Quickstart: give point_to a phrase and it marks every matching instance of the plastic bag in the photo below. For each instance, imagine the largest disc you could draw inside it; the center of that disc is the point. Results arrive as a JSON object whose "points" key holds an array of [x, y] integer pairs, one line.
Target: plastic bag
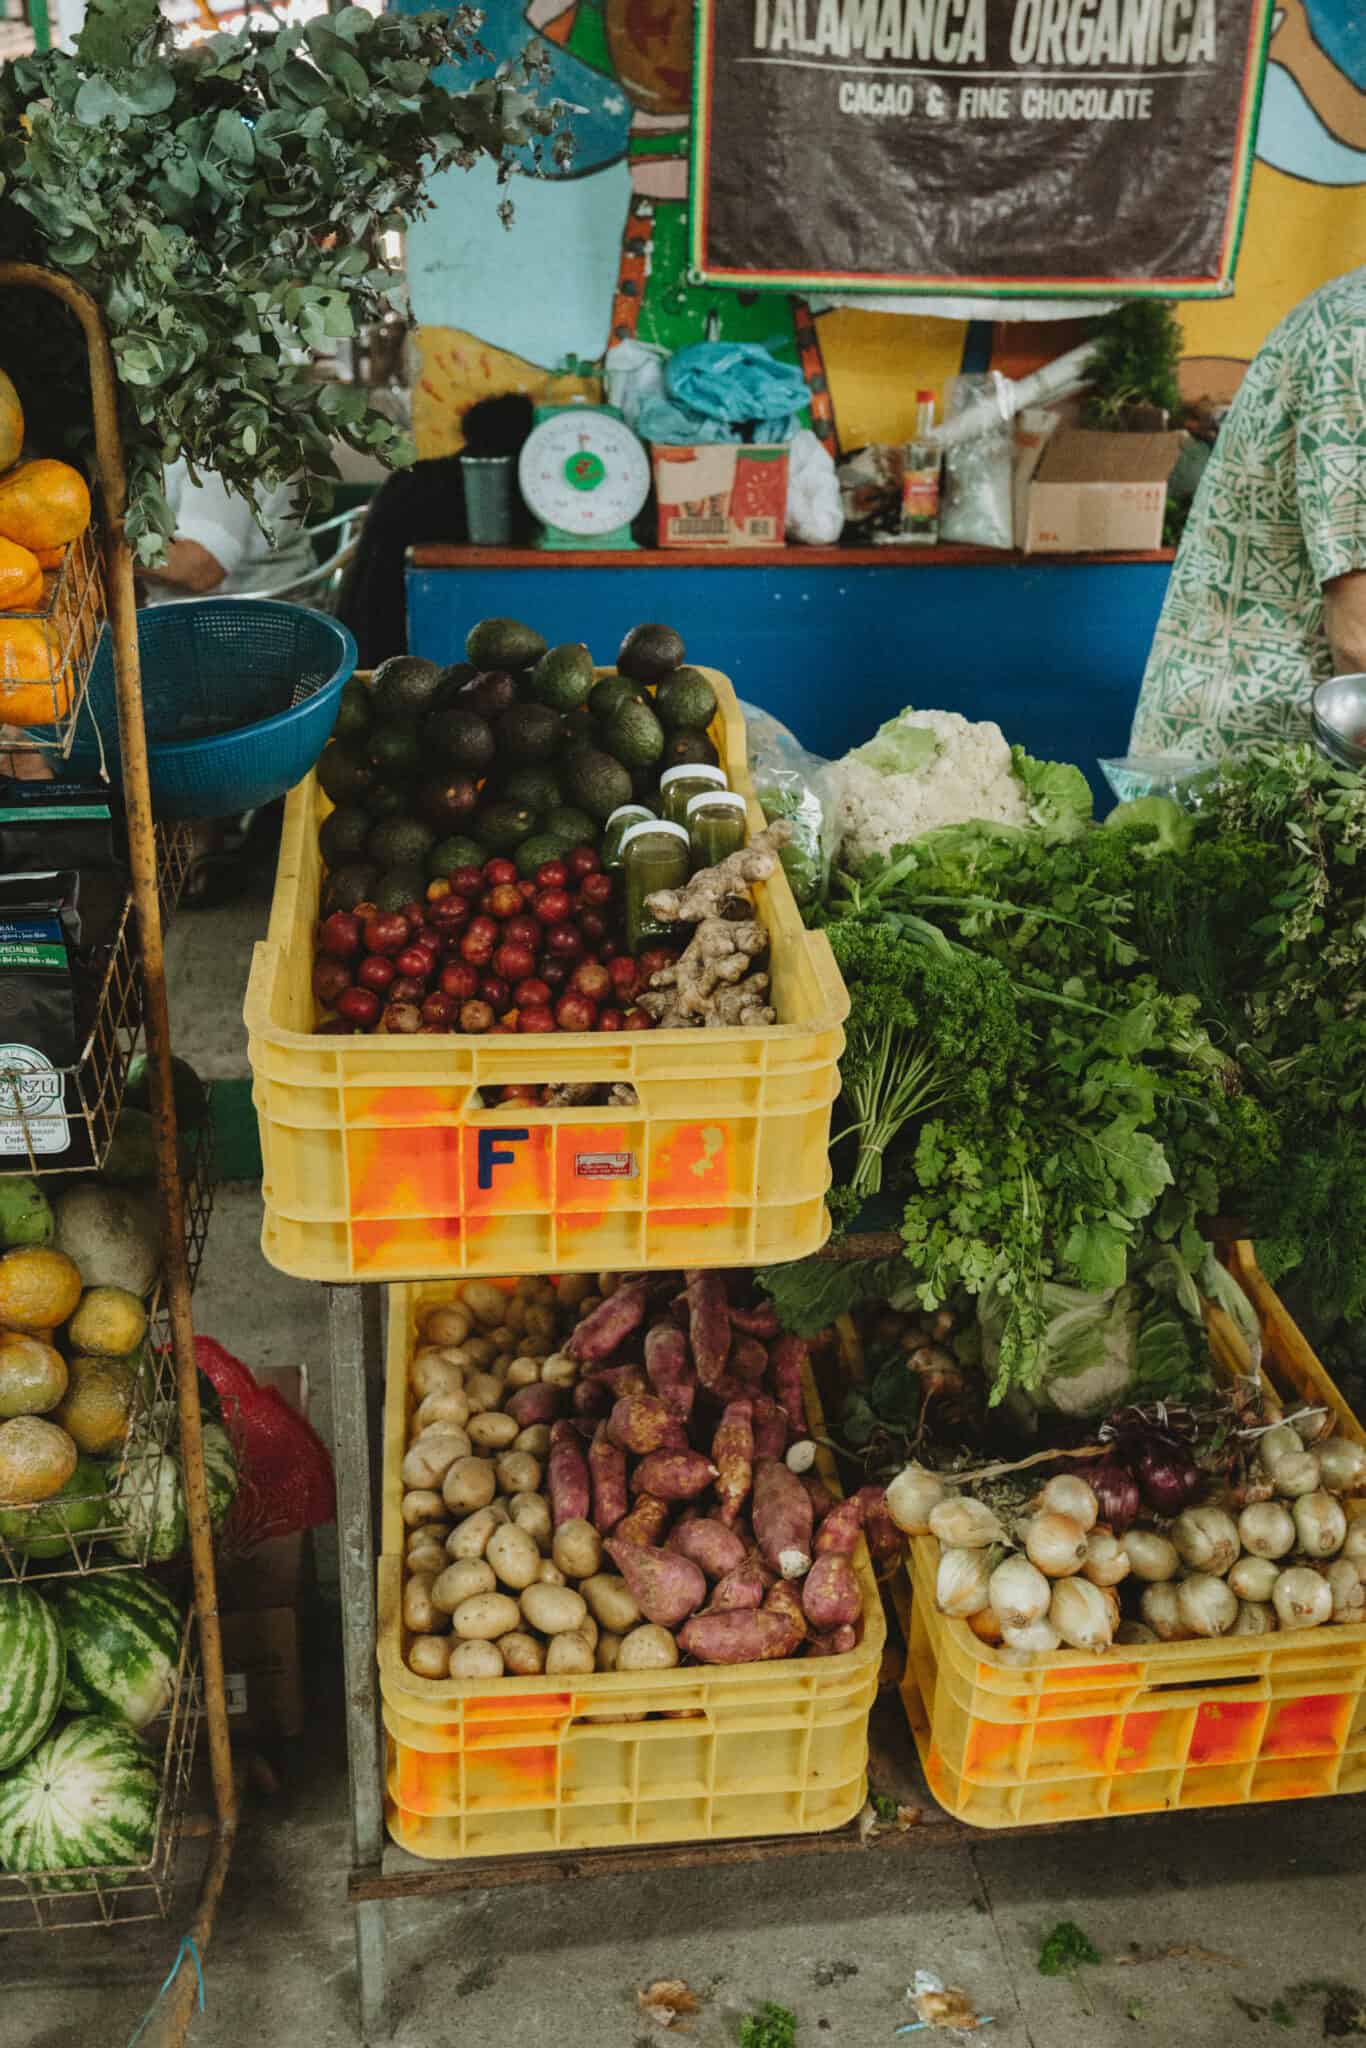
{"points": [[738, 382], [634, 374], [975, 507], [1178, 776], [792, 784], [815, 511]]}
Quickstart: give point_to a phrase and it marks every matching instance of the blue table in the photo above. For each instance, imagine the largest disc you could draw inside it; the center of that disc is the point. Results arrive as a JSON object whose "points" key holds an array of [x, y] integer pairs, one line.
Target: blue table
{"points": [[834, 640]]}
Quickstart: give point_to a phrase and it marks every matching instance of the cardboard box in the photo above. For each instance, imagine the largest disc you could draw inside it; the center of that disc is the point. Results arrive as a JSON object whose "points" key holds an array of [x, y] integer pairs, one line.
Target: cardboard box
{"points": [[721, 494], [1095, 493]]}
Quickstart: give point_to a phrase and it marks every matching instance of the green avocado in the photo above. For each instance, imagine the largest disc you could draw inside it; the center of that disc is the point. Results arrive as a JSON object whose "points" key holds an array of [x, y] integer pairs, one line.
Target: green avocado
{"points": [[534, 852], [563, 677], [529, 732], [685, 698], [458, 736], [532, 784], [456, 852], [400, 843], [354, 713], [608, 696], [503, 643], [348, 886], [343, 775], [400, 886], [634, 737], [191, 1097], [393, 751], [502, 826], [574, 827], [597, 782], [343, 833], [404, 686]]}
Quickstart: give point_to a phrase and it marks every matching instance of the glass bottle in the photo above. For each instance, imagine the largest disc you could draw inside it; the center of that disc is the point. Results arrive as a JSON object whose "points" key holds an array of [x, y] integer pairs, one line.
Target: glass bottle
{"points": [[716, 826], [678, 785], [654, 855], [920, 478], [614, 831]]}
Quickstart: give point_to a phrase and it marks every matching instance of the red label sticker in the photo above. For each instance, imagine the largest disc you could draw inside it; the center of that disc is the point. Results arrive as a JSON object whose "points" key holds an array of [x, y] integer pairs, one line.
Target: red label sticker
{"points": [[605, 1166]]}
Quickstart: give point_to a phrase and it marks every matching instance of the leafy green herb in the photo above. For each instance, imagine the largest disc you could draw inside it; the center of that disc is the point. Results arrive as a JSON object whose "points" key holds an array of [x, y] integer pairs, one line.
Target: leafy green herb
{"points": [[884, 1806], [773, 2026], [808, 1294], [1063, 1954], [1139, 350]]}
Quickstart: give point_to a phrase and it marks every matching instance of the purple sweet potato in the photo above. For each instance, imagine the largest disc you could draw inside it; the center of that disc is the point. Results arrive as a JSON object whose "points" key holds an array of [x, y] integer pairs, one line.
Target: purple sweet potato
{"points": [[782, 1518], [886, 1543], [748, 1359], [732, 1450], [744, 1587], [647, 1521], [830, 1592], [841, 1528], [567, 1475], [668, 1369], [621, 1380], [643, 1423], [608, 1326], [738, 1635], [757, 1322], [607, 1475], [592, 1399], [673, 1475], [818, 1493], [786, 1599], [709, 1543], [837, 1644], [770, 1428], [666, 1587], [536, 1403], [708, 1325], [786, 1359]]}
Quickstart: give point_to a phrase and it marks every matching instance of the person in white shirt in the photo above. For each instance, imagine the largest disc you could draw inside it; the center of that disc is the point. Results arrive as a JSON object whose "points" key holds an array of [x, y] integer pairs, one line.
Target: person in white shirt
{"points": [[218, 549]]}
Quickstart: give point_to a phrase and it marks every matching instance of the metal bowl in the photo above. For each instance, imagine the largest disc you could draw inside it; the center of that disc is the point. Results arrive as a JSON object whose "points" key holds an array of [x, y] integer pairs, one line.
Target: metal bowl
{"points": [[1338, 710]]}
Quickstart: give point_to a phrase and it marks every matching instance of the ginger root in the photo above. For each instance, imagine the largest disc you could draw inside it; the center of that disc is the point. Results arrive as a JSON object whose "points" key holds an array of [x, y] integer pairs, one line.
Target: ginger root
{"points": [[712, 983], [707, 892]]}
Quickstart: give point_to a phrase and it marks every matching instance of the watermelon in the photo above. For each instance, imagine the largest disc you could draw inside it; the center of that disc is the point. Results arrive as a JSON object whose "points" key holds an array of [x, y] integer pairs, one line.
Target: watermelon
{"points": [[46, 1531], [149, 1502], [32, 1670], [87, 1796], [122, 1636]]}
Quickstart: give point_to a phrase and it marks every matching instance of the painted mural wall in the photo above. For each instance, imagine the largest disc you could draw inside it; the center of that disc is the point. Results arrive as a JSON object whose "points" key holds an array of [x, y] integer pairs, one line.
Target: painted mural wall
{"points": [[599, 252]]}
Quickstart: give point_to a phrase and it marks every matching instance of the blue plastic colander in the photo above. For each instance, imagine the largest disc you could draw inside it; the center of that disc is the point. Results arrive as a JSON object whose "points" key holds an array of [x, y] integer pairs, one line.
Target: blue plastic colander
{"points": [[239, 696]]}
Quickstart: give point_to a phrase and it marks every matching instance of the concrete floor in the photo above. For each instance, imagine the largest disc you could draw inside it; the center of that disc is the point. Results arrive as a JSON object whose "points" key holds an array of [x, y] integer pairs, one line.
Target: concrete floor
{"points": [[1204, 1922]]}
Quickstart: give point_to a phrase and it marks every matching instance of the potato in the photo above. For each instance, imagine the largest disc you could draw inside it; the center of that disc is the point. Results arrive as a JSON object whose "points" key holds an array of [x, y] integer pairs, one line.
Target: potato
{"points": [[587, 1306], [550, 1573], [427, 1557], [476, 1659], [523, 1655], [483, 1392], [448, 1325], [553, 1609], [518, 1472], [523, 1372], [421, 1504], [499, 1368], [504, 1336], [537, 1348], [560, 1370], [589, 1630], [427, 1532], [568, 1652], [429, 1656], [513, 1555], [607, 1652], [485, 1617], [531, 1511], [534, 1439], [485, 1302], [577, 1549], [514, 1313], [572, 1287], [478, 1353], [469, 1483], [419, 1614], [434, 1372], [461, 1581], [450, 1406], [611, 1602], [492, 1431], [471, 1538], [429, 1459], [647, 1648]]}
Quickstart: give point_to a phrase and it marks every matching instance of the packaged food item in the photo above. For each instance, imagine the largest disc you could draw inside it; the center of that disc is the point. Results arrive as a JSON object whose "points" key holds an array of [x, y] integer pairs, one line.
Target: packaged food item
{"points": [[716, 826], [655, 855], [39, 1034], [677, 787], [615, 830]]}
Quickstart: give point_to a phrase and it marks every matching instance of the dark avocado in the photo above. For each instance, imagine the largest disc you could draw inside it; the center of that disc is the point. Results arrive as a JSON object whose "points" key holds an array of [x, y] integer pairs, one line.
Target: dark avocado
{"points": [[685, 698], [597, 782], [343, 776], [649, 652], [610, 694], [691, 747], [534, 852], [503, 643], [393, 751], [404, 686], [500, 827], [490, 692], [563, 676], [455, 852], [348, 886], [531, 783], [400, 886], [400, 843], [448, 801], [453, 680], [353, 711], [528, 732], [343, 833], [459, 736], [573, 826]]}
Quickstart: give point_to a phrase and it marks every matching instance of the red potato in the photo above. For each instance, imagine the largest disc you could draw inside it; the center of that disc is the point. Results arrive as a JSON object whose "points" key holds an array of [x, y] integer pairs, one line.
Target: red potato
{"points": [[770, 1428], [886, 1543], [748, 1359], [592, 1400], [744, 1587], [567, 1475], [708, 1324], [647, 1521], [670, 1373], [709, 1543], [607, 1477], [666, 1588], [738, 1635], [608, 1326], [837, 1644], [621, 1381], [643, 1423], [818, 1493], [786, 1359], [757, 1322], [732, 1450], [536, 1403], [782, 1519], [840, 1529], [786, 1599], [830, 1592], [673, 1475]]}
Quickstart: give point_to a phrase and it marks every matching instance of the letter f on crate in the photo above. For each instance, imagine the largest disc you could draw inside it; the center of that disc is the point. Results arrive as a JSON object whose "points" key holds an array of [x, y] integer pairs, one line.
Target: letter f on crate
{"points": [[495, 1150]]}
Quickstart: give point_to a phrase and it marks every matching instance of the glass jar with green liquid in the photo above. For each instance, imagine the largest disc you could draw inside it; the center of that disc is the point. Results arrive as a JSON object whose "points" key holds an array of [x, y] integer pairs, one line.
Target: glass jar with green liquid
{"points": [[615, 830], [654, 855], [716, 826], [678, 785]]}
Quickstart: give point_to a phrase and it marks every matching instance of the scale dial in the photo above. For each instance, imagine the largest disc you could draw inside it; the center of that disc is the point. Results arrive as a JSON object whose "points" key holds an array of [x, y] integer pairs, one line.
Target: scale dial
{"points": [[584, 472]]}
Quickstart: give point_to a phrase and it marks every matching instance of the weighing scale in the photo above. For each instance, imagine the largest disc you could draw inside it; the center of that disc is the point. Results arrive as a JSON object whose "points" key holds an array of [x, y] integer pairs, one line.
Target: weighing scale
{"points": [[584, 475]]}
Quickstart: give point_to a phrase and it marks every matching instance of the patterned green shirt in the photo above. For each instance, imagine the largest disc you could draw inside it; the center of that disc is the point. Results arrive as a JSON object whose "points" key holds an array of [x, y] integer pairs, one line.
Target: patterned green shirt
{"points": [[1281, 510]]}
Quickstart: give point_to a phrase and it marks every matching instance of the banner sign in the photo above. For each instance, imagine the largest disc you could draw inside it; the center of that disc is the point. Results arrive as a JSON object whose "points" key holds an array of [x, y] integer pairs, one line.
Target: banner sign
{"points": [[1008, 148]]}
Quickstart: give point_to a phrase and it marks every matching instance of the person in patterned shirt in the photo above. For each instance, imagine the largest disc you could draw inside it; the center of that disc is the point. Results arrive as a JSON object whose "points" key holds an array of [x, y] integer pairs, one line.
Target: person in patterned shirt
{"points": [[1268, 591]]}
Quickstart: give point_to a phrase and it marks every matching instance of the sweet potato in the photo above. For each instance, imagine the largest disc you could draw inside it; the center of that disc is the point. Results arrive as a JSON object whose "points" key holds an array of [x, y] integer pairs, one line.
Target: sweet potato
{"points": [[744, 1587], [818, 1493], [592, 1400], [673, 1475], [837, 1644], [621, 1381], [841, 1528], [647, 1521], [786, 1359], [605, 1328], [737, 1635], [643, 1423], [757, 1322], [668, 1369], [732, 1450], [708, 1324], [666, 1587], [748, 1359], [830, 1592], [886, 1543], [782, 1518], [770, 1428], [709, 1543], [607, 1477], [786, 1599], [536, 1403], [567, 1475]]}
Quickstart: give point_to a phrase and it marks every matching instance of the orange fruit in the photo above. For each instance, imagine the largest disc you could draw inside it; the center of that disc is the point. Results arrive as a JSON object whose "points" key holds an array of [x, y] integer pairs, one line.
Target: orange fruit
{"points": [[11, 424], [97, 1405], [21, 578], [39, 1288], [32, 1375], [34, 688], [36, 1460], [43, 504], [49, 558]]}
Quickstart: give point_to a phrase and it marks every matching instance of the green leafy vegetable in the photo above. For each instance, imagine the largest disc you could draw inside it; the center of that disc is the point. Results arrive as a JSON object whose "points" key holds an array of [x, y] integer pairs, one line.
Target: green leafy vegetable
{"points": [[898, 748], [1064, 1952], [773, 2026], [808, 1294], [1058, 794]]}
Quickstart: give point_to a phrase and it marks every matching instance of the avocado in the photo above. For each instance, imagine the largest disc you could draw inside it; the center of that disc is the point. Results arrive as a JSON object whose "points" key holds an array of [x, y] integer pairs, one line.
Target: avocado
{"points": [[452, 853], [191, 1099], [688, 745], [563, 676], [387, 800], [353, 711], [460, 736], [400, 843], [574, 827], [598, 783], [634, 737], [348, 886], [453, 680], [404, 686], [400, 886], [342, 834], [504, 643], [532, 784], [685, 698], [649, 652], [132, 1154], [528, 732], [447, 802], [608, 696], [534, 852], [343, 776], [393, 751], [502, 826], [489, 692]]}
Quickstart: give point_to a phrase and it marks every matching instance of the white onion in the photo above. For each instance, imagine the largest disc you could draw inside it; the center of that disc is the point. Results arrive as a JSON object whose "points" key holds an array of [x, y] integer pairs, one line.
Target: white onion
{"points": [[1349, 1594], [1112, 1606], [1302, 1598], [1107, 1561], [965, 1525], [1206, 1539], [1038, 1635], [961, 1585], [1068, 1495], [1342, 1464], [1280, 1442], [1255, 1618], [1206, 1605], [1162, 1614], [1019, 1592], [1150, 1556], [1135, 1632], [1320, 1524], [1296, 1473], [911, 1498], [985, 1625], [1355, 1544], [1313, 1424], [1254, 1578], [1081, 1615], [1056, 1544], [1267, 1529]]}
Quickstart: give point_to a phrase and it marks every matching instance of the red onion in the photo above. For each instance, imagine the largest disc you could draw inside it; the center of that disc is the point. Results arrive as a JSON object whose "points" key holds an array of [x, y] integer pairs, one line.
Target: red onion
{"points": [[1117, 1495], [1168, 1479]]}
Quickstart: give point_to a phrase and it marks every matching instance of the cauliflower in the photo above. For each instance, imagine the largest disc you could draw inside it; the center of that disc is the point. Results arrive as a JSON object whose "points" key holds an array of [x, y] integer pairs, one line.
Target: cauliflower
{"points": [[921, 770]]}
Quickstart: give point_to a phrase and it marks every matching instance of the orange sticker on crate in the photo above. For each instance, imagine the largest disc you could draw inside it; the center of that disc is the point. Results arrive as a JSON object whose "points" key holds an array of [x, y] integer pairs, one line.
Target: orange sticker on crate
{"points": [[598, 1167]]}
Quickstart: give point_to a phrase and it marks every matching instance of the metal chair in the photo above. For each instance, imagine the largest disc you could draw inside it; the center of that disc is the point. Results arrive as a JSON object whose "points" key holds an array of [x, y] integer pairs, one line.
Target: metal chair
{"points": [[320, 586]]}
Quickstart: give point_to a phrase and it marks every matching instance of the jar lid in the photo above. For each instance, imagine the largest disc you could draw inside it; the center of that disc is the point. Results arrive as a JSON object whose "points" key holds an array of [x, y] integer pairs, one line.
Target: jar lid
{"points": [[698, 771], [652, 825], [629, 811], [730, 798]]}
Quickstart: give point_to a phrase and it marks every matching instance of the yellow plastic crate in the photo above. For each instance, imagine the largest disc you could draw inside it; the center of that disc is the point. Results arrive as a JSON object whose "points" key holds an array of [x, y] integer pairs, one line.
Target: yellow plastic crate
{"points": [[377, 1164], [509, 1768], [1155, 1728]]}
